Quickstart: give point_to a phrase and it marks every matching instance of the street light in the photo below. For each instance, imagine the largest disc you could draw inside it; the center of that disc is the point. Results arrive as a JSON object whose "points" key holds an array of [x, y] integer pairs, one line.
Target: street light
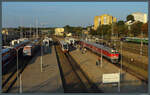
{"points": [[101, 51], [41, 57], [20, 90], [141, 43], [120, 71]]}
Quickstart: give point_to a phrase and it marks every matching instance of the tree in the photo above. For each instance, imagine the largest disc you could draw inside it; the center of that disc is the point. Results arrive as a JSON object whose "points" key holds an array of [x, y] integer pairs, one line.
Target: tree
{"points": [[93, 32], [136, 28], [121, 28], [144, 29], [67, 28], [120, 23], [130, 17], [104, 30]]}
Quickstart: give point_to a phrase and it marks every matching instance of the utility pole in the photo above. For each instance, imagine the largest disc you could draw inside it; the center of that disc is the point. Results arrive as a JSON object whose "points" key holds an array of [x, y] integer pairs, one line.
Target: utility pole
{"points": [[20, 89], [20, 29], [102, 51], [121, 55], [30, 31], [41, 56], [112, 32], [141, 43], [37, 28]]}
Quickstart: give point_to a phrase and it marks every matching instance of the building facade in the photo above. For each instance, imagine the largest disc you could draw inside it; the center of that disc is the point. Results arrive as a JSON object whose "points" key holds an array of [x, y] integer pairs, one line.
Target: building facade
{"points": [[59, 31], [138, 16], [104, 19]]}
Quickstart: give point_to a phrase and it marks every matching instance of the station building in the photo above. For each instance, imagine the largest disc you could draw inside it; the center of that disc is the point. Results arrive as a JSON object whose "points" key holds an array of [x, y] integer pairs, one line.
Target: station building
{"points": [[138, 16], [59, 31], [104, 19]]}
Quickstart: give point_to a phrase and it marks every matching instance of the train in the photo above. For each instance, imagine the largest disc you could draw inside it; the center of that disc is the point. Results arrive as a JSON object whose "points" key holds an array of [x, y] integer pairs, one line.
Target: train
{"points": [[135, 40], [30, 49], [109, 53], [47, 41], [64, 46], [70, 41], [9, 53]]}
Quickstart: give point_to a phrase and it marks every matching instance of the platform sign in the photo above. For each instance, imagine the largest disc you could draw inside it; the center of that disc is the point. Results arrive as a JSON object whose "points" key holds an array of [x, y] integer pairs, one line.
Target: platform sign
{"points": [[111, 78]]}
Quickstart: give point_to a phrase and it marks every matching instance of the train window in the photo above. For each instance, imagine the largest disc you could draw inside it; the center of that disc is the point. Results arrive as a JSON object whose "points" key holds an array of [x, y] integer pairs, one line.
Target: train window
{"points": [[65, 46], [26, 48]]}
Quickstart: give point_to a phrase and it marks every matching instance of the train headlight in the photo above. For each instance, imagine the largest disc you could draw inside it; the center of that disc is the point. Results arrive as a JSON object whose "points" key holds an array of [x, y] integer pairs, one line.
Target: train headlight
{"points": [[112, 50]]}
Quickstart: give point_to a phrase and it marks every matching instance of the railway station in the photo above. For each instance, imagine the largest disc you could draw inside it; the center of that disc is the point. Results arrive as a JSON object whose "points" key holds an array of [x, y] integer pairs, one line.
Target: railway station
{"points": [[107, 56], [64, 65]]}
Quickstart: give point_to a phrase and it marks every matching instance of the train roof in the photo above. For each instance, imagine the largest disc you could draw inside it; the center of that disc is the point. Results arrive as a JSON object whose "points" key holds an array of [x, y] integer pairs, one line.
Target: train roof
{"points": [[135, 38], [29, 45], [99, 45], [62, 42], [5, 50], [21, 43], [4, 47]]}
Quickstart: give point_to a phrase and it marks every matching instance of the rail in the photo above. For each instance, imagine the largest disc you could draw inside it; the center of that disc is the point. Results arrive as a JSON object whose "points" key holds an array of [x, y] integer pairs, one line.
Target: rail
{"points": [[80, 78]]}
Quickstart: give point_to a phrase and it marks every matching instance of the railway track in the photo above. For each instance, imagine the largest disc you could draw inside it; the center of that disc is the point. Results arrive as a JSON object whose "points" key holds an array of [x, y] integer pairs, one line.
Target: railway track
{"points": [[12, 77], [133, 48], [132, 72], [73, 78]]}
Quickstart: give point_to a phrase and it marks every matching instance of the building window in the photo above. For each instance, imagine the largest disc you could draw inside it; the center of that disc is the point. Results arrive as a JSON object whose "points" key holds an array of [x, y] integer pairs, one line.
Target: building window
{"points": [[99, 21], [105, 20]]}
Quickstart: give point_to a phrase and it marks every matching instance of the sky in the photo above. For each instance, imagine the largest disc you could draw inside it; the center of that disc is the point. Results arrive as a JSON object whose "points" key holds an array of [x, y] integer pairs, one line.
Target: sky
{"points": [[59, 14]]}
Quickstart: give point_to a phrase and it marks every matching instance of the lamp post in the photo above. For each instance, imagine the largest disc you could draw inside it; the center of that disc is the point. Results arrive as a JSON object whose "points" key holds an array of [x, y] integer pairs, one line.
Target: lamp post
{"points": [[141, 43], [20, 90], [30, 31], [120, 71], [101, 51], [41, 57]]}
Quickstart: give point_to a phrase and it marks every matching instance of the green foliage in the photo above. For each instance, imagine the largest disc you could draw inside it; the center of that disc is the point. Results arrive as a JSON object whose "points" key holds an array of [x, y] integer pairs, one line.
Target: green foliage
{"points": [[121, 28], [104, 30], [130, 17], [120, 23], [93, 32], [145, 29], [74, 30], [136, 28]]}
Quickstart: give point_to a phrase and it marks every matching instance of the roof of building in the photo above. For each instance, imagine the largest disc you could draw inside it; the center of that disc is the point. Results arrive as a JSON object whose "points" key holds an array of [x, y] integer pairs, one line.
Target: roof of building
{"points": [[138, 13]]}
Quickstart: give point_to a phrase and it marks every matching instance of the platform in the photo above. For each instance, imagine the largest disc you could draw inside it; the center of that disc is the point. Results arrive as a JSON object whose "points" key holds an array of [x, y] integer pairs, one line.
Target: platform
{"points": [[35, 81], [128, 82]]}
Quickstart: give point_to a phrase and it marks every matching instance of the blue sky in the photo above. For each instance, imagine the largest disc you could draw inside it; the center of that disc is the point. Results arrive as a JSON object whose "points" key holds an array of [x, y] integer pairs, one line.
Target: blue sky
{"points": [[59, 14]]}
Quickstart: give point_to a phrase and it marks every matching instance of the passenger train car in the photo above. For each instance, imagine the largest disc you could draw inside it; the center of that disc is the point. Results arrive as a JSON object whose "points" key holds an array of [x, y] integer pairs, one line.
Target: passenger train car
{"points": [[135, 40], [8, 56], [106, 51], [70, 41], [64, 46], [30, 49], [9, 53]]}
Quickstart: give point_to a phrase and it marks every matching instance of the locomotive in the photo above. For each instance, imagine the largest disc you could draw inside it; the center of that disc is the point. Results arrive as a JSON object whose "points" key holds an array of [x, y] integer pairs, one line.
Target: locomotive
{"points": [[64, 46], [108, 52]]}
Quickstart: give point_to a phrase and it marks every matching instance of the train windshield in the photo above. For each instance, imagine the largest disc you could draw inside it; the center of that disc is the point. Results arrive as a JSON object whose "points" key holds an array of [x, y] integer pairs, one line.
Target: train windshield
{"points": [[65, 46], [114, 51], [27, 48]]}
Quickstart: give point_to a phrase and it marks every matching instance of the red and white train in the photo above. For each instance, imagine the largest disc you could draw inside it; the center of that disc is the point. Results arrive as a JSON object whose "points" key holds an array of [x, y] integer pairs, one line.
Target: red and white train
{"points": [[107, 52]]}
